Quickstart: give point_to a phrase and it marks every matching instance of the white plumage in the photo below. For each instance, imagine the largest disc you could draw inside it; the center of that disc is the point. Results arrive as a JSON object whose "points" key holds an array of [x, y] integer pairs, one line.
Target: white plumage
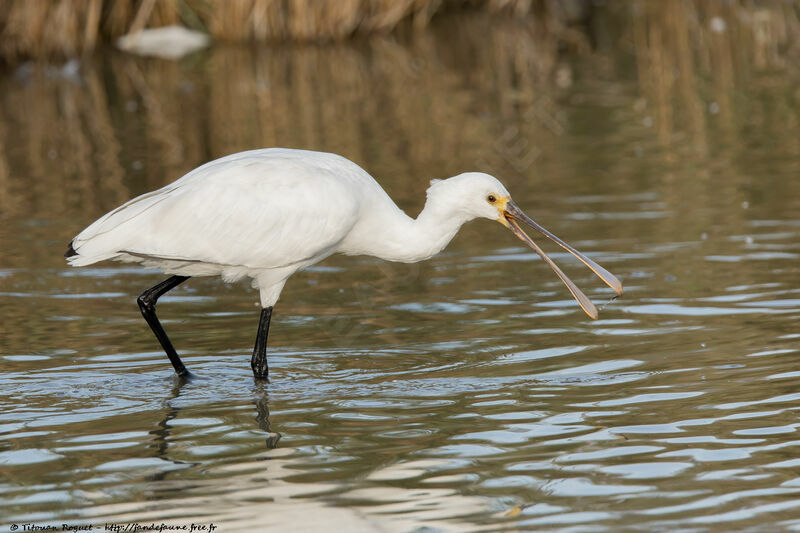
{"points": [[266, 214]]}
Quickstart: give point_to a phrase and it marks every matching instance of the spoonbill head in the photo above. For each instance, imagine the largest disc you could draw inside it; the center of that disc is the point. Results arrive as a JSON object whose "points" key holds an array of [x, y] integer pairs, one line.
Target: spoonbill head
{"points": [[266, 214], [479, 195]]}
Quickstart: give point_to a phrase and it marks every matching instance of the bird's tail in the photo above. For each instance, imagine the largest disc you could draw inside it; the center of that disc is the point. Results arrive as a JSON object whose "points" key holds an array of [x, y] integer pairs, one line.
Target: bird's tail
{"points": [[70, 251], [76, 259]]}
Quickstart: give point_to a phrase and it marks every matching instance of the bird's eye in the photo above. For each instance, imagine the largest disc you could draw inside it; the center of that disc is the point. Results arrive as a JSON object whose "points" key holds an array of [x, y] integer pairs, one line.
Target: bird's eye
{"points": [[491, 198]]}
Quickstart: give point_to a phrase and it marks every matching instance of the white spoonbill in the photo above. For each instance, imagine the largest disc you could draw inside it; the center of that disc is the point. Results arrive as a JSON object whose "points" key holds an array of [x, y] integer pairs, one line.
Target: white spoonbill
{"points": [[266, 214]]}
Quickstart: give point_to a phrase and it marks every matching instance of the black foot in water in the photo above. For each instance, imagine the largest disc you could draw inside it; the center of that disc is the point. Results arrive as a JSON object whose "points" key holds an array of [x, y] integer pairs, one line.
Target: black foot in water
{"points": [[187, 377], [259, 360], [147, 304]]}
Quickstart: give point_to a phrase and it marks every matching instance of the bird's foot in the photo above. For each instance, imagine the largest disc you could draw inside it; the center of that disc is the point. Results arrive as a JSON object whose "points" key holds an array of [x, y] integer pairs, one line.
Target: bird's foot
{"points": [[260, 368], [186, 376], [261, 376]]}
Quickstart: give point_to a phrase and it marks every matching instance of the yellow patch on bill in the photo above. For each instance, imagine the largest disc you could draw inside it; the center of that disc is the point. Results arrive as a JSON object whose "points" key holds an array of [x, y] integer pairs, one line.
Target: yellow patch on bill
{"points": [[500, 204]]}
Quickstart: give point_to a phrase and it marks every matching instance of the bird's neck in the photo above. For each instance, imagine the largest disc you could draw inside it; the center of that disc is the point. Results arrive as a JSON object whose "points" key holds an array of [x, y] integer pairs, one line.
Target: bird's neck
{"points": [[394, 236]]}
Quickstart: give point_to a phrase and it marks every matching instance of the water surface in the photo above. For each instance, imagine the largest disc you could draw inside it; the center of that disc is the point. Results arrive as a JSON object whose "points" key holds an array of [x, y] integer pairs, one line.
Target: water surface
{"points": [[468, 392]]}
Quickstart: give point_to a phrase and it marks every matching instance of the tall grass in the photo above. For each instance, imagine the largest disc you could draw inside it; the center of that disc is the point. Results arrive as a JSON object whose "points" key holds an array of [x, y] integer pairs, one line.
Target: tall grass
{"points": [[46, 28]]}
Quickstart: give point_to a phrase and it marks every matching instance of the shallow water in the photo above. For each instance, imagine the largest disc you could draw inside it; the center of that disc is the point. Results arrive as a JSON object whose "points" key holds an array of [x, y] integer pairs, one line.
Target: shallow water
{"points": [[468, 392]]}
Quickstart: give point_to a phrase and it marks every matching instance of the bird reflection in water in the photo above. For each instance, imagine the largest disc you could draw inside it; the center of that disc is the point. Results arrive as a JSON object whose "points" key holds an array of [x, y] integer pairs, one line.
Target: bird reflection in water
{"points": [[161, 435], [262, 418]]}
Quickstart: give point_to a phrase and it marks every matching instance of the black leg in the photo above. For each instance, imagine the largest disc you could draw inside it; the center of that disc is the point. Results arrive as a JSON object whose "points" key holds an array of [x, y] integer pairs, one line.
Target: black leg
{"points": [[147, 303], [259, 361]]}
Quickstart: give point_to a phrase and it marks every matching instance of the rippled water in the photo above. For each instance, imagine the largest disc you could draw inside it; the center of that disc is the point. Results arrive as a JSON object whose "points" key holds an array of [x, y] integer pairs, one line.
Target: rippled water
{"points": [[468, 392]]}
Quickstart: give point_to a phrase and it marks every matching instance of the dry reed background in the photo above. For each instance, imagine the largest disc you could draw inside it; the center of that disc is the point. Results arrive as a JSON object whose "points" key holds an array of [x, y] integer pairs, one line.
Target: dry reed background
{"points": [[66, 28]]}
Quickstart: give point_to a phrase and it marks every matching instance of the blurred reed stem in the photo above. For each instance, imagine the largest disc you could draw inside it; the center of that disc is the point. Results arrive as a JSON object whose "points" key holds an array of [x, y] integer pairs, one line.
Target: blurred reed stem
{"points": [[66, 28]]}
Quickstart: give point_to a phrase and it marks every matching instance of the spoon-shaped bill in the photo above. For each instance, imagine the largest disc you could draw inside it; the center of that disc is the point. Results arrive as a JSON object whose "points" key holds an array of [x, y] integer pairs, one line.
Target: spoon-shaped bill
{"points": [[512, 213], [585, 303]]}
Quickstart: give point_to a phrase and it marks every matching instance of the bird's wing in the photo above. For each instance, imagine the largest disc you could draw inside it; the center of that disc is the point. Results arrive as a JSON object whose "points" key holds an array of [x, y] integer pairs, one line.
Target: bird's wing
{"points": [[256, 213]]}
